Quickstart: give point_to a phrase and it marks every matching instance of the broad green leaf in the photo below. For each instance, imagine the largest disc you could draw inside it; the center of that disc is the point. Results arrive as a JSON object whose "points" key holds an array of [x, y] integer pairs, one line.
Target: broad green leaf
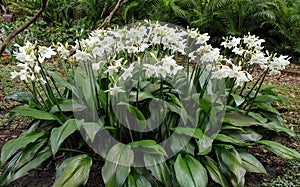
{"points": [[241, 120], [38, 114], [280, 150], [141, 96], [258, 117], [231, 127], [117, 165], [90, 129], [59, 80], [149, 146], [266, 107], [158, 167], [136, 180], [250, 162], [228, 139], [214, 171], [132, 116], [178, 110], [22, 97], [192, 132], [190, 172], [238, 99], [267, 89], [29, 152], [10, 147], [180, 143], [68, 108], [247, 135], [269, 98], [229, 159], [38, 159], [204, 145], [73, 171], [59, 134], [277, 128], [205, 105]]}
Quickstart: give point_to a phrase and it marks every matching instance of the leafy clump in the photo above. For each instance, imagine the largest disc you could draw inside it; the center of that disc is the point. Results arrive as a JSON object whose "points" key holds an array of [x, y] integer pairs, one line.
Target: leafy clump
{"points": [[153, 101]]}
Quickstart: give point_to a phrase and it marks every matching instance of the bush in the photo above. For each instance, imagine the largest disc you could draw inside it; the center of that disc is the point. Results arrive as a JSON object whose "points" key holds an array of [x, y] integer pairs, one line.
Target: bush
{"points": [[158, 104]]}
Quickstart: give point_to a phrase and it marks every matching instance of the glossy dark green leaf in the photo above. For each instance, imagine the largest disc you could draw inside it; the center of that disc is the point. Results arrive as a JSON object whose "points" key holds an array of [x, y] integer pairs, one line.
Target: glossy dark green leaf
{"points": [[59, 134], [280, 150], [10, 147], [38, 114], [90, 129], [214, 171], [192, 132], [73, 171], [238, 99], [22, 97], [247, 135], [59, 80], [230, 160], [158, 167], [181, 143], [204, 145], [38, 159], [266, 107], [190, 172], [136, 180], [269, 98], [141, 96], [241, 120], [29, 152], [149, 146], [117, 165], [250, 162], [228, 139]]}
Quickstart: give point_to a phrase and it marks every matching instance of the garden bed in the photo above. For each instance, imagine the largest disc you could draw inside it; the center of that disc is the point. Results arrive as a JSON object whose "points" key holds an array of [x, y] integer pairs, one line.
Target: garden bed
{"points": [[279, 171]]}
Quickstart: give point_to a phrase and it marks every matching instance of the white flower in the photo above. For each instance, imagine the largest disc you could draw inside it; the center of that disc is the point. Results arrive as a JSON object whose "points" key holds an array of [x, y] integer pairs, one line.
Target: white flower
{"points": [[176, 69], [96, 66], [62, 51], [127, 72], [211, 56], [150, 70], [258, 58], [111, 70], [43, 80], [82, 56], [37, 69], [115, 90], [14, 74], [46, 52], [202, 38], [231, 42], [162, 71]]}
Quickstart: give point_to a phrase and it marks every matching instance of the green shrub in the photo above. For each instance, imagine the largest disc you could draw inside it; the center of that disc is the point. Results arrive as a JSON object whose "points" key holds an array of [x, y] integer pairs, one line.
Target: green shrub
{"points": [[159, 106]]}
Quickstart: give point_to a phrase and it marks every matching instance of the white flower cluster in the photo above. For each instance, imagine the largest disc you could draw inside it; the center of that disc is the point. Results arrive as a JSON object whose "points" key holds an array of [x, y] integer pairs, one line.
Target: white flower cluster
{"points": [[250, 48], [30, 56], [109, 50]]}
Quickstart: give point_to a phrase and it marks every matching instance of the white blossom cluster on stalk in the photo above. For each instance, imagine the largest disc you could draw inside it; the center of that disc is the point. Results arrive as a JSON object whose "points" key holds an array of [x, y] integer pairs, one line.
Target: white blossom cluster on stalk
{"points": [[250, 46], [29, 57], [114, 51]]}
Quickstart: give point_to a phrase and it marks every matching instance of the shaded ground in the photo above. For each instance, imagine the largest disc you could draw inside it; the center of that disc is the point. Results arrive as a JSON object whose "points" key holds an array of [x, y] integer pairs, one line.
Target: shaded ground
{"points": [[280, 172]]}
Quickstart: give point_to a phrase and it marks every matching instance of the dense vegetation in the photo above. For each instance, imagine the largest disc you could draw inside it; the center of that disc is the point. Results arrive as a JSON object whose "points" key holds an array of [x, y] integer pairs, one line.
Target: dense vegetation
{"points": [[154, 103], [278, 21]]}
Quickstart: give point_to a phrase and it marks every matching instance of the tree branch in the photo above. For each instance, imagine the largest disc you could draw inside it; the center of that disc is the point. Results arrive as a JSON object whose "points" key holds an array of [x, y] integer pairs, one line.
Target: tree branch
{"points": [[106, 22], [20, 29]]}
